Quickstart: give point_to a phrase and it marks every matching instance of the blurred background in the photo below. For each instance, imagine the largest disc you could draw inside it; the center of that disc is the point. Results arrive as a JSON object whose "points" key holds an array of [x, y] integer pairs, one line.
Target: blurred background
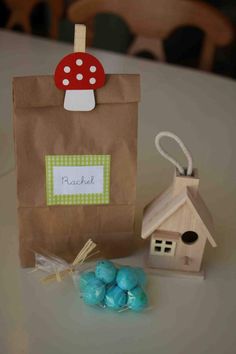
{"points": [[184, 32]]}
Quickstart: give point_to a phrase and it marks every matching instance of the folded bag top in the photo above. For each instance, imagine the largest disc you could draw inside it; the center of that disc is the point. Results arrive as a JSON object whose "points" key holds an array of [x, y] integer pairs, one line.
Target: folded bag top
{"points": [[40, 91]]}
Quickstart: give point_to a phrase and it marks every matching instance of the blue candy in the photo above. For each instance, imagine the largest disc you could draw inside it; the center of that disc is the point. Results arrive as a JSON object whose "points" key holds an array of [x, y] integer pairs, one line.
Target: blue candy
{"points": [[94, 292], [115, 298], [137, 299], [142, 277], [127, 278], [105, 271], [85, 278]]}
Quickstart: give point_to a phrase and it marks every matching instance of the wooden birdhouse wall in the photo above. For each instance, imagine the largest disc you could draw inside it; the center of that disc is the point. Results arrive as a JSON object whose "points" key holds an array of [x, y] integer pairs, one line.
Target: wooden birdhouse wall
{"points": [[181, 182], [181, 221]]}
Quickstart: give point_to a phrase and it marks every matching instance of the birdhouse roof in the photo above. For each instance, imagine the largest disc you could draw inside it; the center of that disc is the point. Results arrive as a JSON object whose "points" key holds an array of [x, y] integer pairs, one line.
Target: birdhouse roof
{"points": [[166, 205]]}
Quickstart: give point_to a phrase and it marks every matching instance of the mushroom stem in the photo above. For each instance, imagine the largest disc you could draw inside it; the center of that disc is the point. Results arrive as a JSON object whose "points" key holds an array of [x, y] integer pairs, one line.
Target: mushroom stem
{"points": [[79, 100]]}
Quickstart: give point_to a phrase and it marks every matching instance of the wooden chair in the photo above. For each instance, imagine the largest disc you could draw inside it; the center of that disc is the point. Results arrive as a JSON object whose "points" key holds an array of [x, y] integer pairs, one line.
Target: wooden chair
{"points": [[152, 21], [22, 9]]}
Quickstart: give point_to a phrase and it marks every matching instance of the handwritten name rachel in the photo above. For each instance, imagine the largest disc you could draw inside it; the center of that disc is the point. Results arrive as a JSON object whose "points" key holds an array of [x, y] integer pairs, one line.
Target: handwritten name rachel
{"points": [[81, 181]]}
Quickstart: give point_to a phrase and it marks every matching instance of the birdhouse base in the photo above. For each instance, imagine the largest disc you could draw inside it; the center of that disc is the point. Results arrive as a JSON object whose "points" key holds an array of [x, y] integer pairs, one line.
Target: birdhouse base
{"points": [[154, 270], [176, 273]]}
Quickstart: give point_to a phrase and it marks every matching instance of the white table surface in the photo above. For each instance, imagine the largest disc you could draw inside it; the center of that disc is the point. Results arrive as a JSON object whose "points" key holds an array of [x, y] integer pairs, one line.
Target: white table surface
{"points": [[187, 316]]}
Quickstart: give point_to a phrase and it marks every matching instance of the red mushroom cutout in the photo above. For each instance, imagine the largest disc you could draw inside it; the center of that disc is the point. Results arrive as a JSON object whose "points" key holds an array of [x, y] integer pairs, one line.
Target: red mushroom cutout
{"points": [[79, 74]]}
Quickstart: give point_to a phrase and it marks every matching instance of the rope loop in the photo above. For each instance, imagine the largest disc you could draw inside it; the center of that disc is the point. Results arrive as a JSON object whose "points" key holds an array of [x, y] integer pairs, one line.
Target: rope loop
{"points": [[170, 158]]}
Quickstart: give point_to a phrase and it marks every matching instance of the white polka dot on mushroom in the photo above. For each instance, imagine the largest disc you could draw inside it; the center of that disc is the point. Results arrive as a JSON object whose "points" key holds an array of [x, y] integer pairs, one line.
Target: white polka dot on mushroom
{"points": [[79, 62], [79, 77], [65, 82], [93, 69], [67, 69], [92, 80]]}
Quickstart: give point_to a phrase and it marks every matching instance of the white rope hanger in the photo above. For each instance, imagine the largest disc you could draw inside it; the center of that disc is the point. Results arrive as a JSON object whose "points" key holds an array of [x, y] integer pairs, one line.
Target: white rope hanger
{"points": [[171, 159]]}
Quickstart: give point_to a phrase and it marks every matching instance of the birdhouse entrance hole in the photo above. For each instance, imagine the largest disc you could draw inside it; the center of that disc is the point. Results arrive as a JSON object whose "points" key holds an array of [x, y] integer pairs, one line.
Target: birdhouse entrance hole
{"points": [[189, 237]]}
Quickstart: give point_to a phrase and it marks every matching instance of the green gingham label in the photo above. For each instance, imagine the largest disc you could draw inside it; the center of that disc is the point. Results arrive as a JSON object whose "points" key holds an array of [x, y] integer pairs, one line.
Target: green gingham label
{"points": [[77, 179]]}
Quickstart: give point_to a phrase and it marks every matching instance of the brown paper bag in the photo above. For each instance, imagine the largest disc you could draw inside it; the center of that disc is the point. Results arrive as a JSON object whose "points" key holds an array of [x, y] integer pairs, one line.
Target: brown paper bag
{"points": [[42, 128]]}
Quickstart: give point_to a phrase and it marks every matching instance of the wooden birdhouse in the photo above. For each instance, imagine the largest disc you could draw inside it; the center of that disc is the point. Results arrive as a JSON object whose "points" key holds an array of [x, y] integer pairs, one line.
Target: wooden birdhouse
{"points": [[178, 224]]}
